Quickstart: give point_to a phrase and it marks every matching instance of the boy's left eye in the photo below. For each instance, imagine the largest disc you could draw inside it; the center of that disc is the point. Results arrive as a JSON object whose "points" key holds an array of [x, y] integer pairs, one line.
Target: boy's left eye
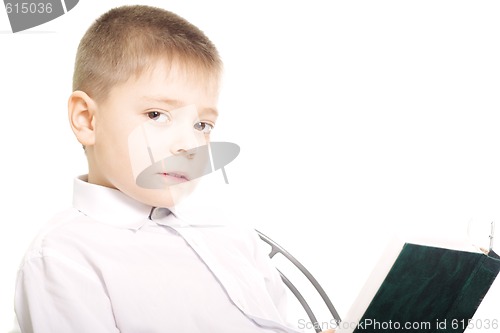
{"points": [[204, 127]]}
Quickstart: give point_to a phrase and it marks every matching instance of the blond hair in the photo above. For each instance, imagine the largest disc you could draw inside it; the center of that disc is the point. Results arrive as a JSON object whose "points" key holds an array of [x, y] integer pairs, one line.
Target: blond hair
{"points": [[127, 40]]}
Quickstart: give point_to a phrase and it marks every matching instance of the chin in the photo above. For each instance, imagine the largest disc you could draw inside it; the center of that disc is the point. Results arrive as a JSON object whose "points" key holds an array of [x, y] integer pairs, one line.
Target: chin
{"points": [[168, 198]]}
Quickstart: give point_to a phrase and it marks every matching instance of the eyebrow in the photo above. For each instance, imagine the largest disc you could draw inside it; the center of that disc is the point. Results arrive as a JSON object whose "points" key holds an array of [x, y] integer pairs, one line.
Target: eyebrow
{"points": [[177, 104]]}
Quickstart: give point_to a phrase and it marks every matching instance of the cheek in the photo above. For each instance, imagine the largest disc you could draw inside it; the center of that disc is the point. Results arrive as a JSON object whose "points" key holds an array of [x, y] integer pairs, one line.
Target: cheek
{"points": [[139, 151], [113, 146]]}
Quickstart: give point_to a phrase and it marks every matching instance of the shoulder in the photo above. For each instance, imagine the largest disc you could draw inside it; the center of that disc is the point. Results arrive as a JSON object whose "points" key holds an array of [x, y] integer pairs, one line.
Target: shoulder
{"points": [[54, 233]]}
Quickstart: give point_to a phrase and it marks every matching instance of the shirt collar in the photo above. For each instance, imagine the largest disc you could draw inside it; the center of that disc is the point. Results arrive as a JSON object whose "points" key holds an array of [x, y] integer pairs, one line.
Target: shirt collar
{"points": [[113, 207]]}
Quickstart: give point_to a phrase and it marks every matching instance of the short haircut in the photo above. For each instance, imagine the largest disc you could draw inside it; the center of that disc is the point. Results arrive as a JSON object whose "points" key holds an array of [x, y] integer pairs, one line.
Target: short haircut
{"points": [[127, 40]]}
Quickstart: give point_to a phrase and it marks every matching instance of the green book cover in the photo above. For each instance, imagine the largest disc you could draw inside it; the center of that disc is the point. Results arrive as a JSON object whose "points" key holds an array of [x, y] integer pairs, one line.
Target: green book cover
{"points": [[427, 289]]}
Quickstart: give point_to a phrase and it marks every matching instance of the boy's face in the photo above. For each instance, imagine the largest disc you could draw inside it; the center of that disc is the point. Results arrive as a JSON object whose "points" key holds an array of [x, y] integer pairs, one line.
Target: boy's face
{"points": [[148, 134]]}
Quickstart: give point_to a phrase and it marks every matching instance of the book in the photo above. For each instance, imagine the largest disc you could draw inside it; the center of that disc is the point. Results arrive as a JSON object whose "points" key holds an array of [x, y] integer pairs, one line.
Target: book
{"points": [[424, 285]]}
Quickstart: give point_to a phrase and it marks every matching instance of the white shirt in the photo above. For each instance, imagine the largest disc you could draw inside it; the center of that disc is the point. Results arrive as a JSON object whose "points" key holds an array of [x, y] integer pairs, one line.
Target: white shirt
{"points": [[112, 264]]}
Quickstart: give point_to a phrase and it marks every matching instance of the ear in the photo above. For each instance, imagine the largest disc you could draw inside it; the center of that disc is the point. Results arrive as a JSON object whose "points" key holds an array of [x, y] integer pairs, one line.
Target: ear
{"points": [[81, 113]]}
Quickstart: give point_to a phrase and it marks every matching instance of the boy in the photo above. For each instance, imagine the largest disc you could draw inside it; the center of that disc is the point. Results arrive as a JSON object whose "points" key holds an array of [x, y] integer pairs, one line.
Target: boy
{"points": [[145, 100]]}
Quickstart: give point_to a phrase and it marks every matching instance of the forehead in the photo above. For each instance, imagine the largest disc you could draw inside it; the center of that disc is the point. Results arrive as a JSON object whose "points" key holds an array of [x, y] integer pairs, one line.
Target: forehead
{"points": [[162, 80], [179, 81]]}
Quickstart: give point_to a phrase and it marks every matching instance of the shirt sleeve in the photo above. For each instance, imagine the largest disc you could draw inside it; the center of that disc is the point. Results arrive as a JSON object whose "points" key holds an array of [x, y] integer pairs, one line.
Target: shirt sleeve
{"points": [[55, 294]]}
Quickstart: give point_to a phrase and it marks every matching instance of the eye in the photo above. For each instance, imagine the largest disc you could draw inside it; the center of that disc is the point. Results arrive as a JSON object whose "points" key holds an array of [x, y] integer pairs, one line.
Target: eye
{"points": [[204, 127], [158, 116]]}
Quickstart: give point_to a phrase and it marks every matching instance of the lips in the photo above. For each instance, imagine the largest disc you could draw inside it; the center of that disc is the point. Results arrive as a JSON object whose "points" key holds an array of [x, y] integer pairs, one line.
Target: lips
{"points": [[176, 176]]}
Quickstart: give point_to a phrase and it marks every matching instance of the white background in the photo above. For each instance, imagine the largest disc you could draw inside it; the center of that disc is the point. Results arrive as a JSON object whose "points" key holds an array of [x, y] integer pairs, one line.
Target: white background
{"points": [[355, 119]]}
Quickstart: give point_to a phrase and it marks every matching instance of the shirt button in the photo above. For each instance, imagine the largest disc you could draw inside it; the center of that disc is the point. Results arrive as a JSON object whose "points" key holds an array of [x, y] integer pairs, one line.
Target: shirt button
{"points": [[159, 213]]}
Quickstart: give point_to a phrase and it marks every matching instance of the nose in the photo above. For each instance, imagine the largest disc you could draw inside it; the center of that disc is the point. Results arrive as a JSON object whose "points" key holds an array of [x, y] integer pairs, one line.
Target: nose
{"points": [[189, 154], [185, 142]]}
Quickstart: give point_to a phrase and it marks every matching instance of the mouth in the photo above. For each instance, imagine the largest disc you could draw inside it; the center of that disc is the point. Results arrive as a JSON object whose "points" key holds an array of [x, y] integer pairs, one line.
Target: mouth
{"points": [[175, 176]]}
